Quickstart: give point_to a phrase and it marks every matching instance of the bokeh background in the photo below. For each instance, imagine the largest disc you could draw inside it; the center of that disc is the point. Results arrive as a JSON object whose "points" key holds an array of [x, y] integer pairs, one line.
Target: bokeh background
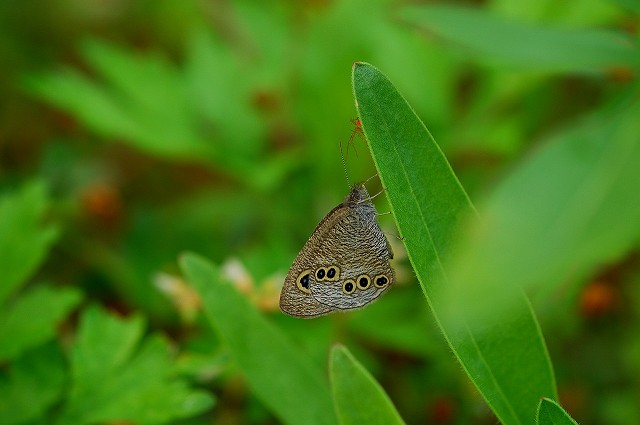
{"points": [[158, 127]]}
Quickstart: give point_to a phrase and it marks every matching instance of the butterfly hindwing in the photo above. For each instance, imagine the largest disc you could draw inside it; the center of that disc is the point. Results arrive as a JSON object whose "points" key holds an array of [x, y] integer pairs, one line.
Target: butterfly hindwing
{"points": [[364, 268]]}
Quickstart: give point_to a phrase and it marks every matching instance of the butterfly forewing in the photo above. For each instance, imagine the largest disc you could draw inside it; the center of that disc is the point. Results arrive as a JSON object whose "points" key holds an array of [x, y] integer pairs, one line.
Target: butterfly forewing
{"points": [[295, 297]]}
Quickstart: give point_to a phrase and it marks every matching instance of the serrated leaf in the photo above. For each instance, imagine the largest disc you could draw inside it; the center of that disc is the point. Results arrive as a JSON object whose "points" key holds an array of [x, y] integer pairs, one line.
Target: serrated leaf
{"points": [[358, 397], [277, 371], [145, 101], [32, 319], [114, 381], [214, 68], [523, 45], [141, 101], [105, 343], [428, 203], [550, 413], [24, 239], [31, 384]]}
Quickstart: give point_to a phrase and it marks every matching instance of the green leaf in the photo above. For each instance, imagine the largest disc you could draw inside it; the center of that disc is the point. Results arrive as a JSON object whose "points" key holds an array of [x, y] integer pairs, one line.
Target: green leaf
{"points": [[278, 372], [131, 93], [112, 381], [31, 384], [24, 240], [631, 5], [214, 68], [137, 93], [33, 318], [105, 343], [358, 398], [408, 325], [568, 209], [524, 45], [428, 203], [550, 413]]}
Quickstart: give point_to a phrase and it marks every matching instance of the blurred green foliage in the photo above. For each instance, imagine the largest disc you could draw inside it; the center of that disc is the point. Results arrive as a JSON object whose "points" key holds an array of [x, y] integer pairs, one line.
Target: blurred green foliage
{"points": [[131, 132]]}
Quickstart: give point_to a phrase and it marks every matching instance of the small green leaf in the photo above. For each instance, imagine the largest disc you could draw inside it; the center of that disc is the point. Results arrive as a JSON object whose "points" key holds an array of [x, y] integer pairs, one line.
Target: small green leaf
{"points": [[279, 373], [32, 319], [112, 381], [358, 398], [24, 240], [428, 203], [524, 45], [550, 413], [31, 384], [105, 343]]}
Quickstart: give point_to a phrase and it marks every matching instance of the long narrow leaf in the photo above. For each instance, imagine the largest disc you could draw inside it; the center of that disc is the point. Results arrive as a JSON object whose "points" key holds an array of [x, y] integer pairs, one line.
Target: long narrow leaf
{"points": [[281, 375], [497, 39], [358, 398], [507, 362]]}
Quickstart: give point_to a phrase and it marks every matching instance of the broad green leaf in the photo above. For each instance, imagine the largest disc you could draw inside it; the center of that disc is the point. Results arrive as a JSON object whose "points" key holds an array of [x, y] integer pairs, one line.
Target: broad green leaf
{"points": [[523, 45], [32, 319], [550, 413], [565, 211], [279, 373], [358, 398], [428, 203], [114, 380], [24, 239], [31, 384]]}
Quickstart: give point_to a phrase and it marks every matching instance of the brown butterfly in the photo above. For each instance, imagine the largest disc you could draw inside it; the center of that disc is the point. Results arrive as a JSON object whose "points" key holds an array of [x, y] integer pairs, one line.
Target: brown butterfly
{"points": [[344, 264]]}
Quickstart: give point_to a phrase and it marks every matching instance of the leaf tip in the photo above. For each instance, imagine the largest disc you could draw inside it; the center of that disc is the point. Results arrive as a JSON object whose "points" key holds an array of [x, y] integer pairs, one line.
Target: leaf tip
{"points": [[337, 349], [358, 64]]}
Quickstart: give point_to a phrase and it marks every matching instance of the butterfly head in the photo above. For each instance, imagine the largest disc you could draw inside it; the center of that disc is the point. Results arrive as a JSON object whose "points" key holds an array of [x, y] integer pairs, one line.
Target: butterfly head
{"points": [[358, 195]]}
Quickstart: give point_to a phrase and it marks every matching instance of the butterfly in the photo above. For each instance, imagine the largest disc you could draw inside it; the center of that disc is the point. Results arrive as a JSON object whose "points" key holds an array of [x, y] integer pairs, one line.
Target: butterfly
{"points": [[344, 265]]}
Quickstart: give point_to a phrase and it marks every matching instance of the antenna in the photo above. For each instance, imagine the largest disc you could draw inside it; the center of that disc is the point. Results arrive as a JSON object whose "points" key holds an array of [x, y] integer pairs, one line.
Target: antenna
{"points": [[344, 164]]}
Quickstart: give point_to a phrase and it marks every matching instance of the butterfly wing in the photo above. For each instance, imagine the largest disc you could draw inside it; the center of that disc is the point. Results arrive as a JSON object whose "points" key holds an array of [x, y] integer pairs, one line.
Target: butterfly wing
{"points": [[295, 296], [302, 305], [343, 265], [358, 249]]}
